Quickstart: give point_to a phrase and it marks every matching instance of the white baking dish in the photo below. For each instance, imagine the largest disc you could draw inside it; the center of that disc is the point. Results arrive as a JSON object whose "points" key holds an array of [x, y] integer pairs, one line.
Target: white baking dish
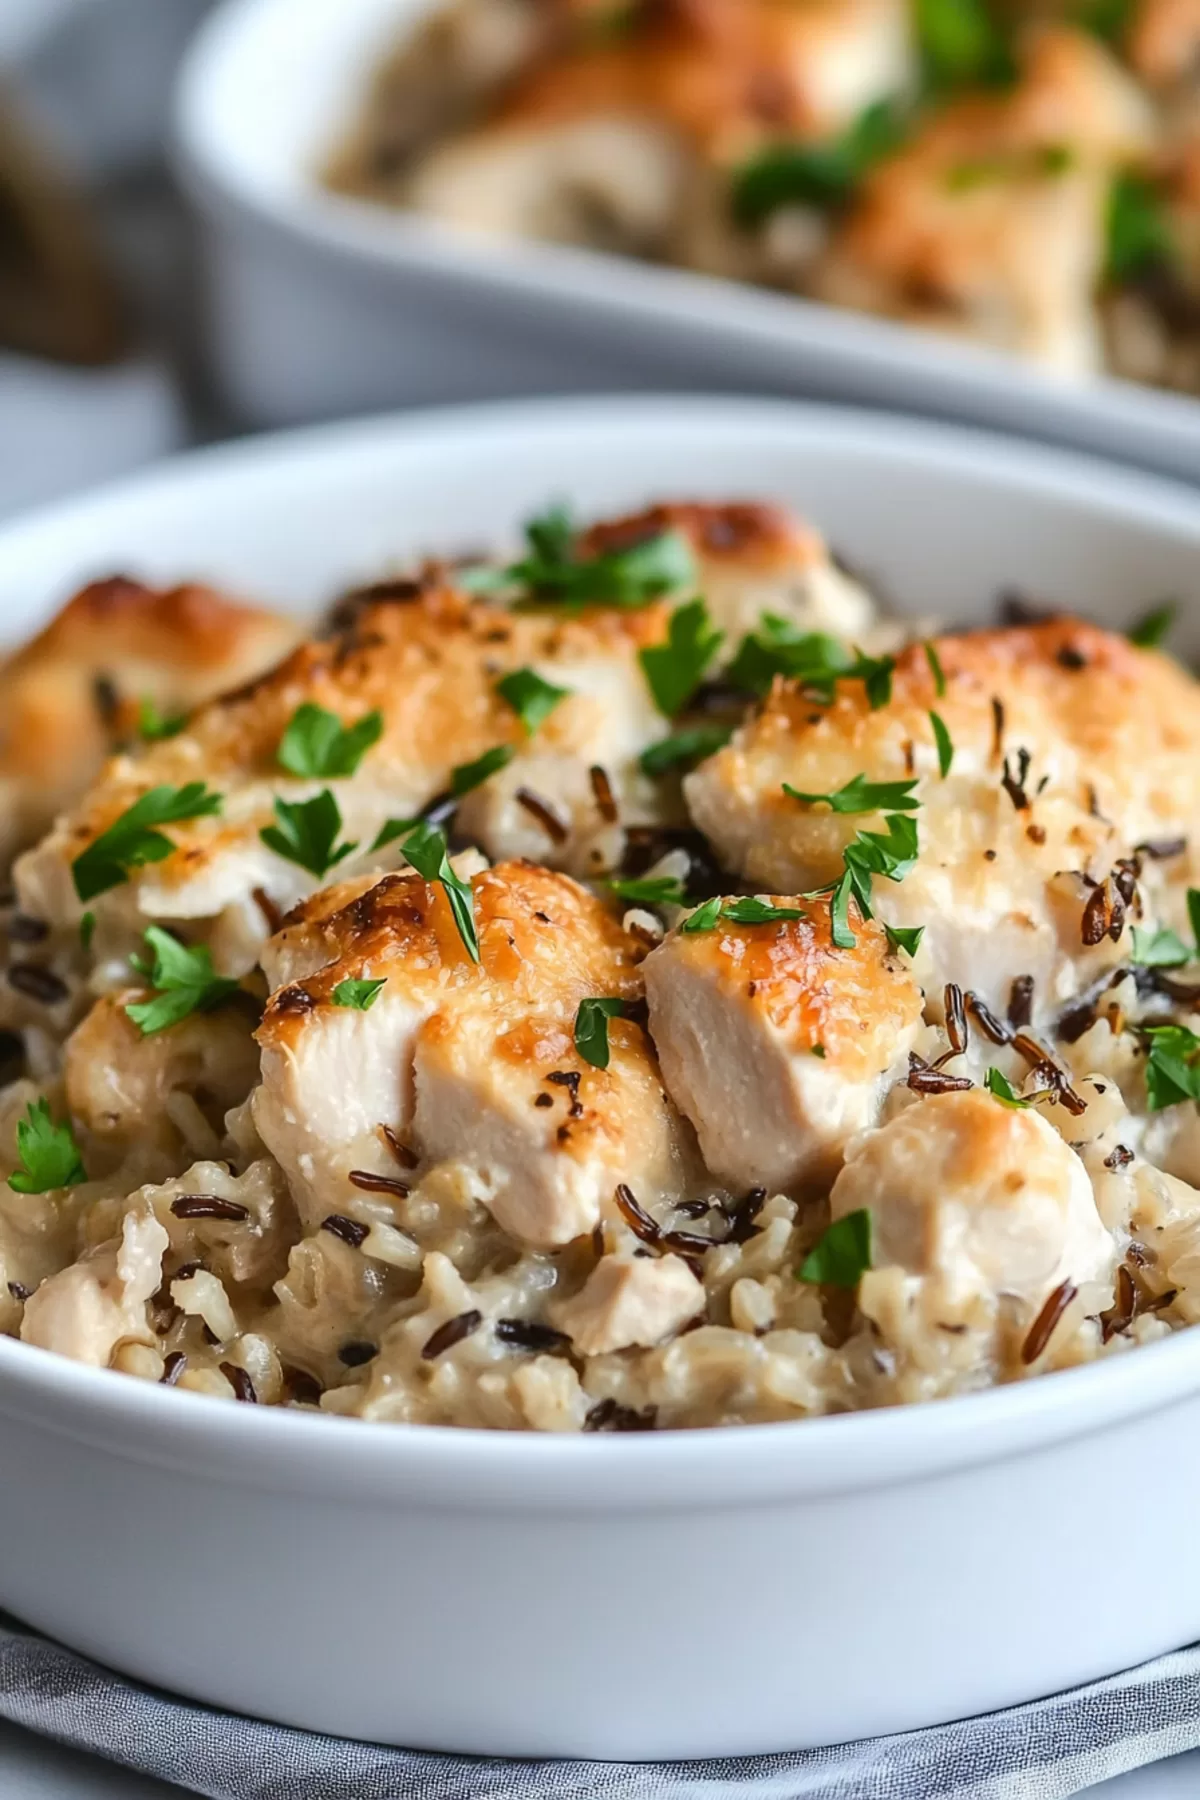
{"points": [[320, 304], [677, 1595]]}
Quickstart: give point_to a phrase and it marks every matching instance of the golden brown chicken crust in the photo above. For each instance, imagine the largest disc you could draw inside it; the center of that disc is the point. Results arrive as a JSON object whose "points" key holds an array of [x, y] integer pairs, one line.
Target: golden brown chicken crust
{"points": [[74, 692], [742, 534], [1163, 41]]}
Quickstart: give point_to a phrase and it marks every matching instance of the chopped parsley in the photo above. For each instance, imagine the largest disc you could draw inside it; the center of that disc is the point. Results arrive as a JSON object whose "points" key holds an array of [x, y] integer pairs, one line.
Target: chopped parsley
{"points": [[1001, 1088], [862, 796], [1173, 1066], [468, 776], [684, 749], [87, 929], [674, 670], [1105, 19], [907, 938], [591, 1029], [935, 667], [1193, 906], [813, 658], [1161, 949], [746, 909], [153, 725], [553, 571], [49, 1156], [1151, 629], [843, 1255], [961, 45], [531, 698], [1013, 165], [358, 995], [390, 830], [306, 832], [426, 851], [317, 746], [181, 980], [134, 839], [651, 890], [824, 175], [1139, 235], [944, 742], [891, 854]]}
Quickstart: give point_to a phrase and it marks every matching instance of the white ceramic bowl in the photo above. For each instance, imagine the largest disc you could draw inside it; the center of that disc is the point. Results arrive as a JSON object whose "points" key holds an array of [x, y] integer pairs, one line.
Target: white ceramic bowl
{"points": [[677, 1595], [322, 305]]}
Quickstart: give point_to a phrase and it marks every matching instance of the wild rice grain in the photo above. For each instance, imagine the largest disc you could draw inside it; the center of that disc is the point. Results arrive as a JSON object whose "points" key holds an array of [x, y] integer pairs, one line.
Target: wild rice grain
{"points": [[240, 1382], [173, 1366], [208, 1206], [1044, 1326], [451, 1333], [379, 1184], [349, 1230]]}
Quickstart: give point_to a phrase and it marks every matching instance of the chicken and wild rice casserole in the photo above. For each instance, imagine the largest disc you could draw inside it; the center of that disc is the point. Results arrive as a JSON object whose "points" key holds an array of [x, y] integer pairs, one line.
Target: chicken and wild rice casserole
{"points": [[631, 985], [1022, 173]]}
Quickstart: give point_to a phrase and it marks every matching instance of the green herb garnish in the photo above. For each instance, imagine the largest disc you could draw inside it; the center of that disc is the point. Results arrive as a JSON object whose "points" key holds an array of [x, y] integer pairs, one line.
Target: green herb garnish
{"points": [[705, 918], [674, 669], [824, 175], [935, 667], [1152, 627], [1161, 949], [904, 937], [862, 796], [49, 1155], [426, 851], [154, 725], [961, 45], [650, 890], [306, 831], [1002, 1089], [814, 659], [182, 981], [554, 572], [531, 698], [1172, 1069], [317, 746], [468, 776], [134, 839], [1139, 234], [359, 995], [745, 909], [684, 749], [87, 929], [591, 1029], [944, 742], [843, 1255]]}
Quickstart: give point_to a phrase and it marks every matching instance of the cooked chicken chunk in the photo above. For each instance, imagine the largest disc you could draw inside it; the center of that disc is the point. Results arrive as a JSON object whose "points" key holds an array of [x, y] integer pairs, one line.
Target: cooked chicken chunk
{"points": [[1070, 749], [777, 1045], [628, 1301], [990, 222], [465, 1062], [1163, 42], [76, 691], [985, 1198], [430, 668], [86, 1310]]}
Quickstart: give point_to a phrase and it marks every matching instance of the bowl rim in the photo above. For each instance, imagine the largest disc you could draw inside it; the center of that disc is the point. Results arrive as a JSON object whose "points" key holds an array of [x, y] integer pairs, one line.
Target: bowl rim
{"points": [[466, 1468], [223, 172]]}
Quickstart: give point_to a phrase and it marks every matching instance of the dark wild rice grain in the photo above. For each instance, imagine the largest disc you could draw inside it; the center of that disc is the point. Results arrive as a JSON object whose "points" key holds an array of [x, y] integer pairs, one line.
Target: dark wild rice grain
{"points": [[527, 1334], [451, 1333], [240, 1382], [173, 1366], [378, 1184], [1043, 1327], [349, 1230], [208, 1206]]}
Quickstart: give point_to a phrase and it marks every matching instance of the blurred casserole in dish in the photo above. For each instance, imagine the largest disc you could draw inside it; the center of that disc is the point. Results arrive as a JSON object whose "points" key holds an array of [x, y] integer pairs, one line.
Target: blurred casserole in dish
{"points": [[636, 985], [1025, 175]]}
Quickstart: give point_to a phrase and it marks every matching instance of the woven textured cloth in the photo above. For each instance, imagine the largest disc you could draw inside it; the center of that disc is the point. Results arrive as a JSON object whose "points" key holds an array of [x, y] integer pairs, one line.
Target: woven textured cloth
{"points": [[1044, 1751]]}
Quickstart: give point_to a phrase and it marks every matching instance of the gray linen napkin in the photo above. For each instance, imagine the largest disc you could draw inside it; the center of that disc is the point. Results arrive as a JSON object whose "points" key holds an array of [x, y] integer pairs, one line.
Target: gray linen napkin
{"points": [[1046, 1751]]}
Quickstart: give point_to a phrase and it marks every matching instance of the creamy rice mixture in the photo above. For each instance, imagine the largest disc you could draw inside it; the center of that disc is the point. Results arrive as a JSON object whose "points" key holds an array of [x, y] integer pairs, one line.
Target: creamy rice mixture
{"points": [[627, 985]]}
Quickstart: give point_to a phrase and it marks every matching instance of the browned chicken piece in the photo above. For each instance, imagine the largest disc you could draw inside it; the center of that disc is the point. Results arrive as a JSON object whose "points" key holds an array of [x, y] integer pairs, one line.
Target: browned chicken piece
{"points": [[1071, 749], [990, 222], [75, 692], [1162, 42], [603, 145], [777, 1045], [461, 1062]]}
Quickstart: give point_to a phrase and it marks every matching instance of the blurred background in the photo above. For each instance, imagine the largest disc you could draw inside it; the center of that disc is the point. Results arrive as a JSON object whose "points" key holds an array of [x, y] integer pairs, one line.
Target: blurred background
{"points": [[98, 276]]}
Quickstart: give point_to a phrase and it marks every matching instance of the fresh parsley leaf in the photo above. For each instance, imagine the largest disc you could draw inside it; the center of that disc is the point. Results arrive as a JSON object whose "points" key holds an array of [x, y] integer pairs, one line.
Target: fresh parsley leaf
{"points": [[133, 839], [87, 929], [306, 831], [961, 45], [817, 1050], [814, 659], [935, 668], [317, 746], [1160, 949], [840, 930], [1105, 19], [652, 890], [531, 698], [744, 909], [473, 774], [843, 1255], [391, 829], [591, 1029], [944, 742], [824, 175], [705, 918], [153, 725], [1011, 165], [1172, 1070], [674, 669], [182, 981], [1193, 906], [554, 572], [684, 749], [360, 995], [862, 796], [891, 854], [426, 851], [49, 1155], [1139, 234], [907, 938], [1152, 627], [1002, 1089]]}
